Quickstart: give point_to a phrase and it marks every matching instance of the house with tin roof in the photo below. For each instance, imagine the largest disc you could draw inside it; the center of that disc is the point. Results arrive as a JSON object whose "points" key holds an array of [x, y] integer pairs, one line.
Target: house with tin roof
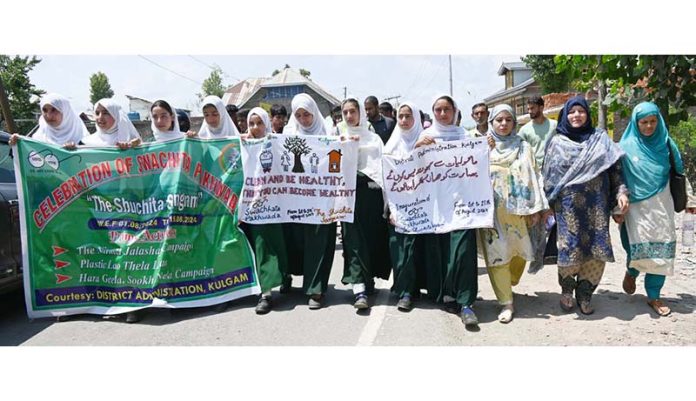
{"points": [[278, 89]]}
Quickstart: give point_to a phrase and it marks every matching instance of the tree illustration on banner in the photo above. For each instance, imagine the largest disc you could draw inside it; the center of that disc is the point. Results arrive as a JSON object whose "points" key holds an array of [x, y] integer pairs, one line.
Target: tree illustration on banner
{"points": [[297, 146]]}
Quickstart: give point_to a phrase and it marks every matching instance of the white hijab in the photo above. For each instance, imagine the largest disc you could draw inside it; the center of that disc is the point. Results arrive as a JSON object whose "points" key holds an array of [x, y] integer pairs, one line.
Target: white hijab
{"points": [[71, 129], [122, 130], [369, 146], [449, 131], [318, 127], [403, 142], [225, 128], [264, 117], [163, 136]]}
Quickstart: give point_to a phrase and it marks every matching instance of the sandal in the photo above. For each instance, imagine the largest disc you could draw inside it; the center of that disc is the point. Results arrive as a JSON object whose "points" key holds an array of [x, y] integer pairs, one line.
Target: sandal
{"points": [[505, 315], [659, 307], [629, 284], [567, 303]]}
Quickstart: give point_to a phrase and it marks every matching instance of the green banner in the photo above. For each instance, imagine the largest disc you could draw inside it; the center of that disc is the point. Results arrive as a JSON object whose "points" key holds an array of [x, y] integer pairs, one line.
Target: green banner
{"points": [[108, 231]]}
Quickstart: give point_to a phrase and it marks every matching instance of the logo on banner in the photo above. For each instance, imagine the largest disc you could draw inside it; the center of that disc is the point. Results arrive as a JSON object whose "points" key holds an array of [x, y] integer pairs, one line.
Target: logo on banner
{"points": [[229, 157], [37, 160]]}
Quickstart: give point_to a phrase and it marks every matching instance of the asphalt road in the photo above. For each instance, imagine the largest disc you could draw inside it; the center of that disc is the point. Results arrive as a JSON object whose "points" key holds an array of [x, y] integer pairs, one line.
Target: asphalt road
{"points": [[619, 319]]}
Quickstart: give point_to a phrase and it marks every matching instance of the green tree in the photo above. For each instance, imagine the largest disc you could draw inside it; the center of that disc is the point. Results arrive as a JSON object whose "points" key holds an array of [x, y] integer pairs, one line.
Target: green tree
{"points": [[305, 73], [213, 86], [684, 134], [99, 87], [667, 80], [15, 76], [544, 72]]}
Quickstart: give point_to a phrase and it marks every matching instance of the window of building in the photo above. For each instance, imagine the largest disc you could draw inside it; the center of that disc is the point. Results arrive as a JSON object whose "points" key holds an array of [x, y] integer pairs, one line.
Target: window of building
{"points": [[283, 92]]}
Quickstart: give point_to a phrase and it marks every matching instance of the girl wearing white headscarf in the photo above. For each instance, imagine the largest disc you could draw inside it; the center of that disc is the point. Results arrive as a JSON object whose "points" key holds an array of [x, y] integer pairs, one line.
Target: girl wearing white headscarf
{"points": [[519, 200], [444, 125], [165, 124], [267, 240], [310, 246], [404, 249], [217, 123], [457, 261], [366, 240], [114, 128], [403, 140], [303, 106], [59, 124]]}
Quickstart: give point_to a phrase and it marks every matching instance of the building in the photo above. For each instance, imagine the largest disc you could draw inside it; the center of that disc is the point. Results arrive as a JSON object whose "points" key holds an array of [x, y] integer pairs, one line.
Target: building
{"points": [[519, 86], [279, 89]]}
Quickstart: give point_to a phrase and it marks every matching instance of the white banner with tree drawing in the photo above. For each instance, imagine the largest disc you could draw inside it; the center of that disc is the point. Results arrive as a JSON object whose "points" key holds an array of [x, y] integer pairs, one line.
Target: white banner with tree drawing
{"points": [[298, 179], [440, 188]]}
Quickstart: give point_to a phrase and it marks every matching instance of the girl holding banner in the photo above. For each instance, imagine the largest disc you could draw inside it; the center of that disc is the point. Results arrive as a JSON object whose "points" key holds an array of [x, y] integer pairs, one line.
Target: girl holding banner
{"points": [[456, 251], [114, 128], [216, 122], [59, 124], [411, 253], [310, 246], [267, 240], [165, 125], [519, 200], [366, 240]]}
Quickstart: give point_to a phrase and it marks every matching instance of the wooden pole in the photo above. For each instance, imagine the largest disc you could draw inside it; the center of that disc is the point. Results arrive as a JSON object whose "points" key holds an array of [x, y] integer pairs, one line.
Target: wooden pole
{"points": [[5, 109]]}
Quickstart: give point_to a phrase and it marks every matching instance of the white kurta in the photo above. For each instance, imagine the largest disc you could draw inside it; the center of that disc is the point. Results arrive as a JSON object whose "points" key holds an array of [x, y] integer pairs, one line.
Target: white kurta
{"points": [[651, 234]]}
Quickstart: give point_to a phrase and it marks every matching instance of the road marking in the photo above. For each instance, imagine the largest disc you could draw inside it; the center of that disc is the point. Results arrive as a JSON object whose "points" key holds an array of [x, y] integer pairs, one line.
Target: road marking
{"points": [[377, 314]]}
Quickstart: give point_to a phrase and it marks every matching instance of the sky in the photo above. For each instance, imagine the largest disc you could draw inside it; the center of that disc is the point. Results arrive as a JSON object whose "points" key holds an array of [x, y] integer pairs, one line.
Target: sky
{"points": [[413, 77]]}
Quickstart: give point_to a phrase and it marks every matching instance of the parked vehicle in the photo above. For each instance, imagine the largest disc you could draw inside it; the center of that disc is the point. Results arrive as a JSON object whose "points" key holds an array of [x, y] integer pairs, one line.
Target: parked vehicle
{"points": [[10, 245]]}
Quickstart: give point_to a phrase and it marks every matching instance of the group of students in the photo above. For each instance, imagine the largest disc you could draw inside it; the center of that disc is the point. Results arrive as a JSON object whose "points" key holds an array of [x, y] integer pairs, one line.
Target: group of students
{"points": [[571, 177]]}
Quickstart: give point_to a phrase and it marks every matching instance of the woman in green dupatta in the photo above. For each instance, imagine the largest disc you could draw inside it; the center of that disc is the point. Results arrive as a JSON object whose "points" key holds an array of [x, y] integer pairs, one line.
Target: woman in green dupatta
{"points": [[648, 230]]}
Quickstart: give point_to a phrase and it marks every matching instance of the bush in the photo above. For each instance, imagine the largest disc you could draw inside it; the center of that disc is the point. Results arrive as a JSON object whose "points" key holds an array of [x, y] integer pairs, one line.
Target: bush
{"points": [[684, 134]]}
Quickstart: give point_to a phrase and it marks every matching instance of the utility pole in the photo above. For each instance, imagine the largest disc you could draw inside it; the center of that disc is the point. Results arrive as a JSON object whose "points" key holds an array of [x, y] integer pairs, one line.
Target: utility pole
{"points": [[5, 109], [393, 97], [450, 75], [345, 92]]}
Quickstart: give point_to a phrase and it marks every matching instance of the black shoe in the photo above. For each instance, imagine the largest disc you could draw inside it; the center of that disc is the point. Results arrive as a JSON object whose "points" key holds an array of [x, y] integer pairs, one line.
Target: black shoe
{"points": [[264, 305], [132, 317], [452, 307], [361, 301], [370, 288], [404, 303], [286, 287]]}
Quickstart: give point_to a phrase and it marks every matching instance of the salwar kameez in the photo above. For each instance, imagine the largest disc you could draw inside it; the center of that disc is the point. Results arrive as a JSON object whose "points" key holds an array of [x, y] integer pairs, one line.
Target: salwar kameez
{"points": [[268, 243], [584, 244], [517, 193], [582, 203], [366, 240], [419, 262], [311, 250], [649, 238], [461, 279]]}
